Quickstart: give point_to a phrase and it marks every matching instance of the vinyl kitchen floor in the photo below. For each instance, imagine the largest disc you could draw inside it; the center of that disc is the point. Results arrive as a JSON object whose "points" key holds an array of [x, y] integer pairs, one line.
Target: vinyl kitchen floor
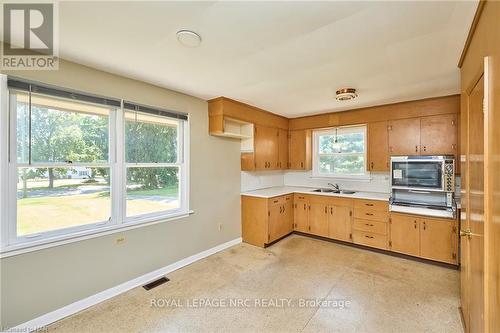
{"points": [[278, 289]]}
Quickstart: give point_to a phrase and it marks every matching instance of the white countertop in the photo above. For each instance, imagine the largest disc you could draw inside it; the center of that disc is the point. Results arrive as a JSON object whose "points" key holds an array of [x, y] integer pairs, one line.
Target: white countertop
{"points": [[282, 190]]}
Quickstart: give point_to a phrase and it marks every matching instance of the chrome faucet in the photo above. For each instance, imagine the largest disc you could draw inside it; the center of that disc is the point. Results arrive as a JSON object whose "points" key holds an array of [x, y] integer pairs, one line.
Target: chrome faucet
{"points": [[335, 187]]}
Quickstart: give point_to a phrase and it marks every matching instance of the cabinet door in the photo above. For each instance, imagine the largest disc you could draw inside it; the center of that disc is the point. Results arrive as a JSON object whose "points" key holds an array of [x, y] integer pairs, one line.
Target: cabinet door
{"points": [[438, 135], [275, 222], [404, 234], [300, 150], [301, 215], [378, 146], [265, 147], [340, 223], [282, 149], [437, 240], [318, 219], [288, 215], [404, 137]]}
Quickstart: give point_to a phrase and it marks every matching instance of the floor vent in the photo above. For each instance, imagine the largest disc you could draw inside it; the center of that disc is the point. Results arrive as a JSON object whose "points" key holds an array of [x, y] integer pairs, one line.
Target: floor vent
{"points": [[155, 283]]}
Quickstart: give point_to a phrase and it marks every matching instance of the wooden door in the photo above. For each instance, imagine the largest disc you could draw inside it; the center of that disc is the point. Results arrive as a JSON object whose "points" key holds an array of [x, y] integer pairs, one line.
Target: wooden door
{"points": [[318, 219], [282, 149], [404, 234], [438, 135], [301, 215], [266, 148], [473, 295], [404, 136], [340, 223], [378, 146], [437, 240], [300, 150]]}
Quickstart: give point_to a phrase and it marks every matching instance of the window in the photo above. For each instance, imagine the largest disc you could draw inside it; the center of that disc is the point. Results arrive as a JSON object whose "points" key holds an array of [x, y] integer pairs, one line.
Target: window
{"points": [[340, 152], [84, 163]]}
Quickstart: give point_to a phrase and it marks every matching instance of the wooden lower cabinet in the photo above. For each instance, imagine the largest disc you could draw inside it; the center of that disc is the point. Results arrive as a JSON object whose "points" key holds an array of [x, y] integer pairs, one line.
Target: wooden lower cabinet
{"points": [[438, 240], [301, 213], [364, 222], [318, 219], [266, 220], [405, 234], [425, 237], [340, 223]]}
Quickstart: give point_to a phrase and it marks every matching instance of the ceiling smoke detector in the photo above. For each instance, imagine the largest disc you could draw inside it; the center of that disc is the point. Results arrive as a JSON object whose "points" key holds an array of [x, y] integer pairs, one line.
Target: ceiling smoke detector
{"points": [[188, 38], [346, 94]]}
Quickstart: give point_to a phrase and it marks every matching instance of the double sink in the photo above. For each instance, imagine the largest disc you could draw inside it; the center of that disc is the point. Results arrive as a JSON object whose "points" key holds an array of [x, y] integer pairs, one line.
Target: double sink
{"points": [[331, 190]]}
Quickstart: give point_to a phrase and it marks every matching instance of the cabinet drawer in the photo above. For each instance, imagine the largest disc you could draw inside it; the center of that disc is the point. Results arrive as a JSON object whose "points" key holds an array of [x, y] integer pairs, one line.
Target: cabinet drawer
{"points": [[377, 205], [277, 200], [301, 197], [369, 239], [370, 214], [371, 226]]}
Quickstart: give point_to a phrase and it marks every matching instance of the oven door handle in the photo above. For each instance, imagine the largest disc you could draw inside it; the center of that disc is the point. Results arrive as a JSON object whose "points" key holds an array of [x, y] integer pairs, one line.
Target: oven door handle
{"points": [[420, 192]]}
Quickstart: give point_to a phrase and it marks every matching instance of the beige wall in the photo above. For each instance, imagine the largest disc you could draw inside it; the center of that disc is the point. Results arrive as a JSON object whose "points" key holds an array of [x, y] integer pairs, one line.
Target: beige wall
{"points": [[39, 282]]}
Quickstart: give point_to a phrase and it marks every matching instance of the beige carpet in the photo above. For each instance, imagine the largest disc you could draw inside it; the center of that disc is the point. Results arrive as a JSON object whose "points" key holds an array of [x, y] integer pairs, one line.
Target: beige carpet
{"points": [[280, 289]]}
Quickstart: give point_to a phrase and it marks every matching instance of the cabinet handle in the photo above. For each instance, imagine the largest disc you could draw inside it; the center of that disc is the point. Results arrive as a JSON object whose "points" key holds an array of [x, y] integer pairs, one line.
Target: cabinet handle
{"points": [[371, 165], [369, 205], [369, 224], [275, 201], [304, 206], [369, 214], [425, 148], [424, 226], [416, 149], [301, 164], [415, 224], [331, 210], [369, 237], [281, 208], [326, 210]]}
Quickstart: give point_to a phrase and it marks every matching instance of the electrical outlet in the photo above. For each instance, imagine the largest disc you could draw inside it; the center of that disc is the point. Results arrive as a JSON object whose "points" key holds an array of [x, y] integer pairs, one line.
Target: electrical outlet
{"points": [[120, 240], [220, 226]]}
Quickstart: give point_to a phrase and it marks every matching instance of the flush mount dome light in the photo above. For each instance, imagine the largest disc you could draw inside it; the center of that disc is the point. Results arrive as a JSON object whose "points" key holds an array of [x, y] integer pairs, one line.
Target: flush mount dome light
{"points": [[188, 38], [346, 94]]}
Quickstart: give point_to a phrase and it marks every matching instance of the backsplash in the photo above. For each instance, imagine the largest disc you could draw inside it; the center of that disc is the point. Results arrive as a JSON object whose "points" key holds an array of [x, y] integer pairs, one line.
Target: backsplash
{"points": [[378, 182], [260, 179]]}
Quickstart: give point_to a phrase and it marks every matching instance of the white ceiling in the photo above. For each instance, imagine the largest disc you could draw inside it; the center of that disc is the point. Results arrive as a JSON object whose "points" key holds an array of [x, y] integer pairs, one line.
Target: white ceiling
{"points": [[285, 57]]}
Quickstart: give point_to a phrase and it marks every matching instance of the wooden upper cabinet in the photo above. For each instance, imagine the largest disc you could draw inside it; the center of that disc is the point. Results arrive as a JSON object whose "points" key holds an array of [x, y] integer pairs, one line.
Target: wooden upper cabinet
{"points": [[404, 234], [438, 135], [438, 240], [378, 146], [300, 150], [404, 136], [282, 149], [266, 148]]}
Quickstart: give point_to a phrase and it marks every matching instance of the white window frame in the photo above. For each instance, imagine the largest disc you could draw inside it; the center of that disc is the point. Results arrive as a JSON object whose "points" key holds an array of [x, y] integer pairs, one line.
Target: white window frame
{"points": [[11, 244], [339, 131]]}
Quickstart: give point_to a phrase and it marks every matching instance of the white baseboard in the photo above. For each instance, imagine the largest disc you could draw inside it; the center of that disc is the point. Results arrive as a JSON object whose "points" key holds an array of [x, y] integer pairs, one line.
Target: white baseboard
{"points": [[85, 303]]}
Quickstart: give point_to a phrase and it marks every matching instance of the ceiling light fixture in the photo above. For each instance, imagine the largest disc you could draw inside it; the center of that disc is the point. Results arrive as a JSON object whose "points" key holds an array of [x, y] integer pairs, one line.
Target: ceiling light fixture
{"points": [[346, 94], [188, 38]]}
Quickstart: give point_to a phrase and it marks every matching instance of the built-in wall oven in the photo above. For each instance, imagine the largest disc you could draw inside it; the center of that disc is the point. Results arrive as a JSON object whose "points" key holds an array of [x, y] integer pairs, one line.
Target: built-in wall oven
{"points": [[423, 184]]}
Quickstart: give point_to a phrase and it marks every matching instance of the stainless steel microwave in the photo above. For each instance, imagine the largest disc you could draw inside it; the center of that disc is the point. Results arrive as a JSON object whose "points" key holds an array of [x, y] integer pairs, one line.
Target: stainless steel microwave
{"points": [[425, 173]]}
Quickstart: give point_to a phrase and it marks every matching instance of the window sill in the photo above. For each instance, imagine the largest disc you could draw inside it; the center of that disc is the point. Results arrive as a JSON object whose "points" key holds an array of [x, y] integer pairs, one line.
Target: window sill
{"points": [[21, 248], [365, 178]]}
